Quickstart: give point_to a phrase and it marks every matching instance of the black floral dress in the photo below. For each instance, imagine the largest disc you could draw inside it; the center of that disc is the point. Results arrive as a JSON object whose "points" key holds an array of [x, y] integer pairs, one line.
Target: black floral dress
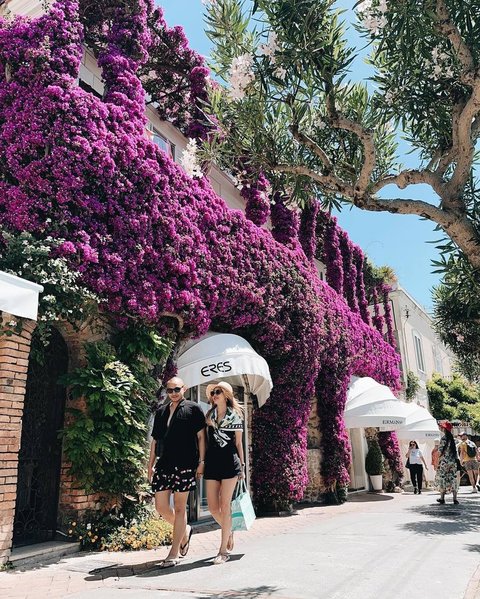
{"points": [[222, 460]]}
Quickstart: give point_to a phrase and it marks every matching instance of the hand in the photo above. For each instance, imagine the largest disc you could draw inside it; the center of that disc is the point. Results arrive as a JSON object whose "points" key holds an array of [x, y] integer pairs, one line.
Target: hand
{"points": [[200, 469], [150, 473], [241, 476]]}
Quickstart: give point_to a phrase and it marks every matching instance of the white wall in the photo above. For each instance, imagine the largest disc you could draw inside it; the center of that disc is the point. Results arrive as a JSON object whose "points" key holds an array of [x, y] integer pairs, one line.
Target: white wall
{"points": [[412, 321]]}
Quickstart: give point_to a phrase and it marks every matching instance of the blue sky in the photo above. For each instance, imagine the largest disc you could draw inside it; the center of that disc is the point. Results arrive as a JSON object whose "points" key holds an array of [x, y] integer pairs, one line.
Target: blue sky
{"points": [[397, 240]]}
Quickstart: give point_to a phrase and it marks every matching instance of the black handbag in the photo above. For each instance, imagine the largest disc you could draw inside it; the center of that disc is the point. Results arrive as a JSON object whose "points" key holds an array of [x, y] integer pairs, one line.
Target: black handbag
{"points": [[407, 463]]}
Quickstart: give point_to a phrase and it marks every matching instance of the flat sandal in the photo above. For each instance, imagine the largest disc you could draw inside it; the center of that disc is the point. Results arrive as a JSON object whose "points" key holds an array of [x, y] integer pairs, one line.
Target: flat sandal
{"points": [[221, 558]]}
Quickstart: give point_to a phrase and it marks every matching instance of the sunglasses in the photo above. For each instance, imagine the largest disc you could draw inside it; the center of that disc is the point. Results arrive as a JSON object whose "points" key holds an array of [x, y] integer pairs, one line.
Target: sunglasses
{"points": [[174, 389], [216, 392]]}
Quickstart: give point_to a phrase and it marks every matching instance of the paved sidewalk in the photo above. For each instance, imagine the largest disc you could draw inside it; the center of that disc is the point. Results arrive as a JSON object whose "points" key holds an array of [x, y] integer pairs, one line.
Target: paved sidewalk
{"points": [[401, 546]]}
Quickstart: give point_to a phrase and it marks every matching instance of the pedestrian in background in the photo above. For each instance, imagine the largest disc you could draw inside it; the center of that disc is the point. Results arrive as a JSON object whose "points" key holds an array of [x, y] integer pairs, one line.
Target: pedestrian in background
{"points": [[467, 453], [177, 458], [435, 455], [416, 462], [224, 460], [446, 476]]}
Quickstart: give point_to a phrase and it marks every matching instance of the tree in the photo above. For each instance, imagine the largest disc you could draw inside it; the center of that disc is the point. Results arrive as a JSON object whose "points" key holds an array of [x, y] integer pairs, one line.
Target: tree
{"points": [[292, 110], [454, 399], [457, 316]]}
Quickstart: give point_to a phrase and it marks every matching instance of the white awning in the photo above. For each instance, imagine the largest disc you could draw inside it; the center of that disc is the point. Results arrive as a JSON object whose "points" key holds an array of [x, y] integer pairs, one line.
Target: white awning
{"points": [[419, 425], [18, 296], [371, 404], [219, 356]]}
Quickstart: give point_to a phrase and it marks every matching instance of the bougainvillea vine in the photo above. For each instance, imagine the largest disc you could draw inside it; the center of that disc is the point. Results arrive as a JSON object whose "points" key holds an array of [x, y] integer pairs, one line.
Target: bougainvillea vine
{"points": [[152, 242]]}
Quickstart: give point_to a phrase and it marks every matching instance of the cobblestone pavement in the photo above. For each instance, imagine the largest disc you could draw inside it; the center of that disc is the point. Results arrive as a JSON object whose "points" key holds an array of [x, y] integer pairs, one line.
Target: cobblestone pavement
{"points": [[401, 545]]}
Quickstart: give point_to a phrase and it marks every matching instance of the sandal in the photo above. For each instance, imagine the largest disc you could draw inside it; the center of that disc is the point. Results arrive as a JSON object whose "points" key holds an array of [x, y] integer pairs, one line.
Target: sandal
{"points": [[184, 548], [230, 542], [221, 558], [170, 562]]}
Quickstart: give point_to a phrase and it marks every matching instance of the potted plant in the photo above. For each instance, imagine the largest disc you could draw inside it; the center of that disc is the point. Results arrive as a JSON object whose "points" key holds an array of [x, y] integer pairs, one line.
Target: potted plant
{"points": [[374, 464]]}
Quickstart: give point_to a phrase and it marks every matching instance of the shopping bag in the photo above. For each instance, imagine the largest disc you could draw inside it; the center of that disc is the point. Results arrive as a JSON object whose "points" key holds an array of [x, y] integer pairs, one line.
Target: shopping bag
{"points": [[243, 513]]}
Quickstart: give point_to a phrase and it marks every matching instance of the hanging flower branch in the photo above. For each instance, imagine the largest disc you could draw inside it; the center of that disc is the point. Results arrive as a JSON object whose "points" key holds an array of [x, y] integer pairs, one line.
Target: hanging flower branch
{"points": [[256, 193], [387, 309], [285, 223], [308, 229], [378, 320], [332, 256]]}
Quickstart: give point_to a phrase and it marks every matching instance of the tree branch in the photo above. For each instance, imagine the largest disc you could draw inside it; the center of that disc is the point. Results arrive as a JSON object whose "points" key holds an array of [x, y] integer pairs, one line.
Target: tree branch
{"points": [[411, 177], [402, 206], [338, 121], [446, 26], [456, 225], [463, 142], [330, 182], [308, 142]]}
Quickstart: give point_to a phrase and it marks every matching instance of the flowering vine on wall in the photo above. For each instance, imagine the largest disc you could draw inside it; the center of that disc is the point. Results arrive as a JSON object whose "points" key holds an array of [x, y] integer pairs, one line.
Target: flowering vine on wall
{"points": [[151, 241]]}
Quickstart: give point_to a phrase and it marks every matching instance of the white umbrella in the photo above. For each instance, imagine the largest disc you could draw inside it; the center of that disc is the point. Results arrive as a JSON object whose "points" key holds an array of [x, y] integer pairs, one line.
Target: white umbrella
{"points": [[221, 355], [370, 404], [419, 425]]}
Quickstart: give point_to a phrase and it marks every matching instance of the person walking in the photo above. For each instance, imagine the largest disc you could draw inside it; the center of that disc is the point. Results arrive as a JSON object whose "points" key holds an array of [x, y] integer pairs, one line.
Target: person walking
{"points": [[446, 477], [416, 462], [435, 455], [467, 453], [177, 458], [224, 460]]}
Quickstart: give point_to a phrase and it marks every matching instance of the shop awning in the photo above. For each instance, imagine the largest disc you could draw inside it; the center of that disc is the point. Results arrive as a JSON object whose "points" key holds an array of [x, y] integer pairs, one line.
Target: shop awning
{"points": [[221, 355], [371, 404], [420, 424], [18, 296]]}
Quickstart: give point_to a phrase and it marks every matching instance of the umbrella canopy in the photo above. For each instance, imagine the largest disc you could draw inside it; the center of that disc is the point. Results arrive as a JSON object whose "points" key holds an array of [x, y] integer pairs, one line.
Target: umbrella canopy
{"points": [[419, 425], [222, 355], [18, 296], [370, 404]]}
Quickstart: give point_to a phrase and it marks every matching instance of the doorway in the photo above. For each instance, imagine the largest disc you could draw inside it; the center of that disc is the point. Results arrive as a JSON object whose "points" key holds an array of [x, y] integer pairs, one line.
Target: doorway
{"points": [[40, 456]]}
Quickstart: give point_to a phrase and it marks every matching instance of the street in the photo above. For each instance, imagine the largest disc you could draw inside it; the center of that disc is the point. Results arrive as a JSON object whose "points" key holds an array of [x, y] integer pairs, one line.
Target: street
{"points": [[390, 545]]}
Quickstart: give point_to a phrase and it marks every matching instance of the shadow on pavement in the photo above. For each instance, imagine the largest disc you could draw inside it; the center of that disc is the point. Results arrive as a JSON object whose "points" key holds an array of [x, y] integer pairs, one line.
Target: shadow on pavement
{"points": [[151, 569], [447, 519], [473, 548], [369, 497], [247, 593]]}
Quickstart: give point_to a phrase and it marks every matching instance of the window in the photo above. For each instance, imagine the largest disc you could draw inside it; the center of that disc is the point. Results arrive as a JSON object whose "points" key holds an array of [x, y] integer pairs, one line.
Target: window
{"points": [[88, 88], [437, 360], [417, 343], [162, 142]]}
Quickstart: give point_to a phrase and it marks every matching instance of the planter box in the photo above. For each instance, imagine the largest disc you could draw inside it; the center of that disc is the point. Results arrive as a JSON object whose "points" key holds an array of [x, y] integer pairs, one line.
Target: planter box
{"points": [[377, 481]]}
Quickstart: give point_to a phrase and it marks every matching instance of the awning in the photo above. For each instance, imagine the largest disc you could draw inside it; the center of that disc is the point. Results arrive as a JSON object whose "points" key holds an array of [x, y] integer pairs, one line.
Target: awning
{"points": [[221, 355], [18, 296], [419, 425], [371, 404]]}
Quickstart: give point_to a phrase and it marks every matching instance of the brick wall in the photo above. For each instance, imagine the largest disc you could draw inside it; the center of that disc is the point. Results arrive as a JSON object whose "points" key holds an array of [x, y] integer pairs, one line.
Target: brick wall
{"points": [[14, 354]]}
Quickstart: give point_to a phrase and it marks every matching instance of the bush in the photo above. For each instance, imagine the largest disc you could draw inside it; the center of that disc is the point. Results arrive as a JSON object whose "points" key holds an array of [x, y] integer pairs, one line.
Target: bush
{"points": [[150, 533], [374, 459], [112, 531]]}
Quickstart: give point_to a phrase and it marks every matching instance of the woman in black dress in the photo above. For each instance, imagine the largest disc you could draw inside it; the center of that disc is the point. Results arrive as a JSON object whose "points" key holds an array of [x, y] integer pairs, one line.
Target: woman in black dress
{"points": [[224, 460]]}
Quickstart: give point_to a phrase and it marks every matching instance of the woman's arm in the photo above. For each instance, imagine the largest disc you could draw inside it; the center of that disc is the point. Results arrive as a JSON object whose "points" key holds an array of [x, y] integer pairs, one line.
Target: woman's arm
{"points": [[201, 453], [239, 446]]}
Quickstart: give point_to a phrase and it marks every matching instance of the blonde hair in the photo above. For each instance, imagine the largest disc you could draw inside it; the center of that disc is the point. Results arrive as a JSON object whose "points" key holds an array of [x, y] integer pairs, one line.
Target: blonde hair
{"points": [[232, 402]]}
